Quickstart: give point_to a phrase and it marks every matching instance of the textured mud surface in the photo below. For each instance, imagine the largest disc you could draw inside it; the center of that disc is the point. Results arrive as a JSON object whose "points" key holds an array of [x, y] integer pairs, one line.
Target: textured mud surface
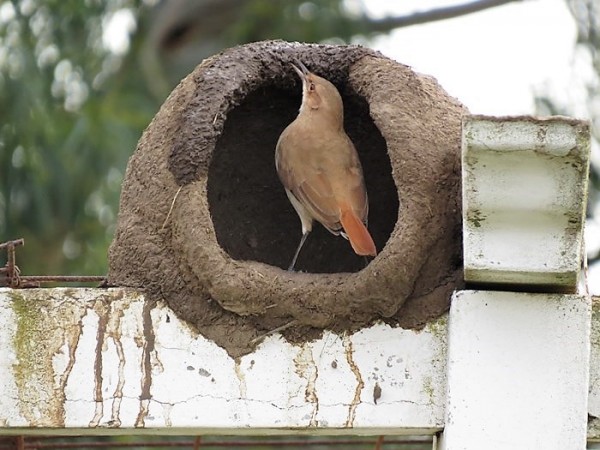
{"points": [[205, 224]]}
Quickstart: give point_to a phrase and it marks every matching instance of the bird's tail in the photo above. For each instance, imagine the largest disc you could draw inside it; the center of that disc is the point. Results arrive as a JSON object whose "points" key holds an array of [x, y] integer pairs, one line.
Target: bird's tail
{"points": [[358, 235]]}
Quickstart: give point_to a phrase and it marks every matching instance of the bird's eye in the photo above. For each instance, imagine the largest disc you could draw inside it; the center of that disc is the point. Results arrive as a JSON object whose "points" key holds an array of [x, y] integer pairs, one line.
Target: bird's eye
{"points": [[311, 87]]}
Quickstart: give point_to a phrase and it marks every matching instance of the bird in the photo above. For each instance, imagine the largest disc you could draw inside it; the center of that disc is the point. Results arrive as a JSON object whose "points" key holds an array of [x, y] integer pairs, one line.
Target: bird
{"points": [[319, 167]]}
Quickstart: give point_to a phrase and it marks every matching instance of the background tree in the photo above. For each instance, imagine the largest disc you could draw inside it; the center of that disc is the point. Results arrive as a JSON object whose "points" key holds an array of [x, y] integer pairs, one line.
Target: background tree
{"points": [[75, 103], [69, 121]]}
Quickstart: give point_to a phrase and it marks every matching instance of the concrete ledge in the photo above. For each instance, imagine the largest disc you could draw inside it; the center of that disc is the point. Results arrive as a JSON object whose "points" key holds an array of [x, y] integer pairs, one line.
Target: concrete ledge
{"points": [[93, 361], [106, 361]]}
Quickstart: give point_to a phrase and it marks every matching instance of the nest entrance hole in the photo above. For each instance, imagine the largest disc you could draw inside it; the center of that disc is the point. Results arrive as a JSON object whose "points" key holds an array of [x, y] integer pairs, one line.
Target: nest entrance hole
{"points": [[251, 215]]}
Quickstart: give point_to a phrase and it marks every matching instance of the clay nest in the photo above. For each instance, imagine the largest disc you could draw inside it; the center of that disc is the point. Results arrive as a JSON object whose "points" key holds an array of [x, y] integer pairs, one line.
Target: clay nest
{"points": [[205, 224]]}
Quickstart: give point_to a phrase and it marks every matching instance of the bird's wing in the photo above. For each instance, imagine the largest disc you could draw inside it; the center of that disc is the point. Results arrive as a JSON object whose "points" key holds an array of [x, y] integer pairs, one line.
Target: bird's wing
{"points": [[307, 182], [315, 192], [324, 180], [350, 181]]}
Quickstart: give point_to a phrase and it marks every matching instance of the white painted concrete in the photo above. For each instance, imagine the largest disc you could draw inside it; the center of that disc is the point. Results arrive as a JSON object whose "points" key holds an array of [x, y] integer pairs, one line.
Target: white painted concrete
{"points": [[524, 198], [78, 361], [105, 361], [518, 368], [594, 387]]}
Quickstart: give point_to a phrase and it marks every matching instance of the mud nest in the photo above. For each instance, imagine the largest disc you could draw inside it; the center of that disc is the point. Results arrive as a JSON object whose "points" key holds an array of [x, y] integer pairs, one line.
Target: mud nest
{"points": [[205, 224]]}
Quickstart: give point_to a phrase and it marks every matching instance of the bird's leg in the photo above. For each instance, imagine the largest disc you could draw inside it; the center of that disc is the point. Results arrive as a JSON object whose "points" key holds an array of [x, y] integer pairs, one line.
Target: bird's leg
{"points": [[302, 239]]}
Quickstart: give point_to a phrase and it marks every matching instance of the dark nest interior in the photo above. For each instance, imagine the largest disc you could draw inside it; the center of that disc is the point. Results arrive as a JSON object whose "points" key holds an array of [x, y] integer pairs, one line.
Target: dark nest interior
{"points": [[252, 216]]}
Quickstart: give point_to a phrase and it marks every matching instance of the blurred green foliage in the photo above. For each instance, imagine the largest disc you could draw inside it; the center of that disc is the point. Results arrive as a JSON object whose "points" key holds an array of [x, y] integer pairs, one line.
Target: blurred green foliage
{"points": [[72, 109], [69, 120]]}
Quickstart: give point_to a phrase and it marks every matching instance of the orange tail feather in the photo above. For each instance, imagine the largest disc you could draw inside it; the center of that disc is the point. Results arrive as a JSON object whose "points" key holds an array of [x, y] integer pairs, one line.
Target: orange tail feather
{"points": [[358, 235]]}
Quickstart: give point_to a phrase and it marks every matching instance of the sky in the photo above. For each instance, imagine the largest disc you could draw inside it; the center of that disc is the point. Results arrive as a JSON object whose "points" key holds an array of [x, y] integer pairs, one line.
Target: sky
{"points": [[492, 60]]}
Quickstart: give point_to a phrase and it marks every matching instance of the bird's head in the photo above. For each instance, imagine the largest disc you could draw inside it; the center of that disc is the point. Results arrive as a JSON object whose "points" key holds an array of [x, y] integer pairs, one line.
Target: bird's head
{"points": [[318, 94]]}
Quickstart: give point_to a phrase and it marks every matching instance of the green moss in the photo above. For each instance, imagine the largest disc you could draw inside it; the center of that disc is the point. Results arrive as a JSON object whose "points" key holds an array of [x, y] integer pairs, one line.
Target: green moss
{"points": [[438, 328], [428, 389], [476, 217], [33, 342], [595, 331], [70, 292], [25, 344]]}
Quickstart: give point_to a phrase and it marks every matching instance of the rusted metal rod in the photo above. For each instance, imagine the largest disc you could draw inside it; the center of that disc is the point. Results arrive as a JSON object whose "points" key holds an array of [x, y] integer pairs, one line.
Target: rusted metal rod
{"points": [[13, 243], [79, 443], [63, 278], [10, 275]]}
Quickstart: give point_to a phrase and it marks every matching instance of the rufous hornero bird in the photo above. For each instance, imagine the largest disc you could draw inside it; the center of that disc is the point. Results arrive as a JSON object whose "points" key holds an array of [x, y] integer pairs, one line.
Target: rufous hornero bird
{"points": [[319, 167]]}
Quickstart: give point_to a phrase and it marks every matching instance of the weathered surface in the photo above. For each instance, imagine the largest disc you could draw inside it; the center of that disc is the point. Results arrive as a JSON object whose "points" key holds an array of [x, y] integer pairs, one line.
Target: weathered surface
{"points": [[594, 388], [205, 225], [518, 371], [524, 182], [109, 361]]}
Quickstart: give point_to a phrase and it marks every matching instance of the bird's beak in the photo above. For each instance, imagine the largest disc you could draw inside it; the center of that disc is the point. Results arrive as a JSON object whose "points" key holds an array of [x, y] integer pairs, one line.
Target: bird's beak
{"points": [[300, 69]]}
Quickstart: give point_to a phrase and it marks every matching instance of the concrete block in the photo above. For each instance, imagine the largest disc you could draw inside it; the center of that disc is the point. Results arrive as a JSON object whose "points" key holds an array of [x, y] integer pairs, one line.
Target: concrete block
{"points": [[524, 199], [518, 371]]}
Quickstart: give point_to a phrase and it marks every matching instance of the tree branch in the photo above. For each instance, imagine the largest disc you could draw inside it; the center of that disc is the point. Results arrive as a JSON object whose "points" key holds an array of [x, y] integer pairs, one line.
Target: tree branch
{"points": [[389, 23]]}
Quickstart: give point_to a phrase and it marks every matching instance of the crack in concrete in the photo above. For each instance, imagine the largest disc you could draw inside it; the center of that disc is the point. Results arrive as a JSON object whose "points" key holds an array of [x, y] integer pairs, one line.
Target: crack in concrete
{"points": [[101, 308], [306, 368], [167, 407], [239, 373], [146, 367], [115, 334], [72, 336], [349, 351], [140, 420], [235, 399]]}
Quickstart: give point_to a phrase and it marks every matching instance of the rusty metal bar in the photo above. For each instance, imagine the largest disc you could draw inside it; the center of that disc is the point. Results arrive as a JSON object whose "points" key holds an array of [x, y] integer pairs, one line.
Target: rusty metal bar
{"points": [[11, 269], [63, 278], [10, 275], [45, 443], [13, 243]]}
